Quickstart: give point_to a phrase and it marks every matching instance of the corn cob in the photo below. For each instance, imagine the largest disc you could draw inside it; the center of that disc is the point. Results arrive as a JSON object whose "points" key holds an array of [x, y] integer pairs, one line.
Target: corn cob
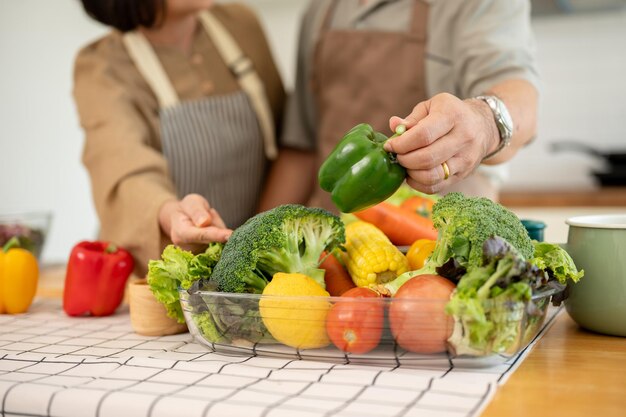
{"points": [[371, 257]]}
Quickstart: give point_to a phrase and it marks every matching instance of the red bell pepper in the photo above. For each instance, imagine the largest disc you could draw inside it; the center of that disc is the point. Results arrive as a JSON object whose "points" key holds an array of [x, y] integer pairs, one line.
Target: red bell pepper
{"points": [[95, 279]]}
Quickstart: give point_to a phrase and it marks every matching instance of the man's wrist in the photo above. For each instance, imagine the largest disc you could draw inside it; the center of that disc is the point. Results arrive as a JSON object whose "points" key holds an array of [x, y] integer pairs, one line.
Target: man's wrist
{"points": [[503, 121], [489, 127]]}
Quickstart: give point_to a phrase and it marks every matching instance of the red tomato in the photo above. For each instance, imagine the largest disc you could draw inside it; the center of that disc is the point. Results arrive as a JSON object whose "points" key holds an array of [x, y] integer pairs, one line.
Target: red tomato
{"points": [[355, 325], [417, 314]]}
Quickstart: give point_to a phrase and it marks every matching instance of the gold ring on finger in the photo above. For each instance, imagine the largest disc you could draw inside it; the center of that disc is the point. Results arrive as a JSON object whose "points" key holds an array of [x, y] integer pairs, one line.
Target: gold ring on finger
{"points": [[446, 171]]}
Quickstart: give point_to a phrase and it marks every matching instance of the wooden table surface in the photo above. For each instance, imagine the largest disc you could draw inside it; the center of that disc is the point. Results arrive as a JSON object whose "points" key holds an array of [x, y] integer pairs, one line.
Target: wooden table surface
{"points": [[596, 197], [570, 372]]}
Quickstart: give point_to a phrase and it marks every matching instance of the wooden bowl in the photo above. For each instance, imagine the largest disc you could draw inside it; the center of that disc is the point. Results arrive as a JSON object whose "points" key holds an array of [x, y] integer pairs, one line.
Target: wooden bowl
{"points": [[148, 317]]}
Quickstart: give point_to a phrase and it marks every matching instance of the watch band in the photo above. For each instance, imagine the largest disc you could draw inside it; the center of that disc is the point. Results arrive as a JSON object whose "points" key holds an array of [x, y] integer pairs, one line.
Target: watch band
{"points": [[503, 120]]}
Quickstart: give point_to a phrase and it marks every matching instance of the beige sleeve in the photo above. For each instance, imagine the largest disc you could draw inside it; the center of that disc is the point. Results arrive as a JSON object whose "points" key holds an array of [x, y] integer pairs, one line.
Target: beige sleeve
{"points": [[492, 42], [129, 178]]}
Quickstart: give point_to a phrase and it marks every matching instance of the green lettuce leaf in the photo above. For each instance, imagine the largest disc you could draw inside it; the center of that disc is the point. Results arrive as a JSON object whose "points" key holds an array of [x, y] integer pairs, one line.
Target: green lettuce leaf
{"points": [[489, 301], [555, 259], [179, 268], [206, 326]]}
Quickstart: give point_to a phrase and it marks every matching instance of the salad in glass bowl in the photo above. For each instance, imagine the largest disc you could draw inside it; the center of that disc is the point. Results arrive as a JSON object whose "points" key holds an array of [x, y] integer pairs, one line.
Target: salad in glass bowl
{"points": [[31, 228]]}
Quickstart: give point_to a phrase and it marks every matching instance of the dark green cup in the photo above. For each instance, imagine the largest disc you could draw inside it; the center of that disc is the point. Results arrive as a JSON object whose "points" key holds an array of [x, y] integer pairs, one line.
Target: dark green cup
{"points": [[535, 229]]}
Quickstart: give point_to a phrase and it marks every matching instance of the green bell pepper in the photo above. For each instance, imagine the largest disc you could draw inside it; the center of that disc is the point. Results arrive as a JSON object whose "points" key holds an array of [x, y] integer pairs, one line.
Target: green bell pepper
{"points": [[359, 173]]}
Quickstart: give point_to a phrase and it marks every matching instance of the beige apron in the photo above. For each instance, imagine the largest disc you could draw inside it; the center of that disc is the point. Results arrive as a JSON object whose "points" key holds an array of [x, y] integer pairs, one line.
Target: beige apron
{"points": [[218, 146], [365, 76]]}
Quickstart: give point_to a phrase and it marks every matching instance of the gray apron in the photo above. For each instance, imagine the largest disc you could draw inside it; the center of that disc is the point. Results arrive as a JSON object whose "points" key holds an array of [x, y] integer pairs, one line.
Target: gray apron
{"points": [[218, 146]]}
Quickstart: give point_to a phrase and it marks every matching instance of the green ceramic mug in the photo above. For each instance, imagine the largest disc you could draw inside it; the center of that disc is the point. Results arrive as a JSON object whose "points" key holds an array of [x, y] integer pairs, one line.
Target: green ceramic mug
{"points": [[597, 244]]}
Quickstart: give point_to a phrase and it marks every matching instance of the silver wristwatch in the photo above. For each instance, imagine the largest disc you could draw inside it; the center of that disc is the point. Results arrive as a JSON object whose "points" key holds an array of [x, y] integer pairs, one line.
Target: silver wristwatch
{"points": [[503, 119]]}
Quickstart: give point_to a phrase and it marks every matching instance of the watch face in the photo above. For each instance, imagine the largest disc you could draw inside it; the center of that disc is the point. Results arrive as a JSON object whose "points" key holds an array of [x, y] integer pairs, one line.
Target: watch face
{"points": [[503, 119], [506, 117]]}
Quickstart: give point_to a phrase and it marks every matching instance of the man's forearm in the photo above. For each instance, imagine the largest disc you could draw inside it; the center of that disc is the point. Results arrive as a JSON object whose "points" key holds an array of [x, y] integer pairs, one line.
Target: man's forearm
{"points": [[290, 180]]}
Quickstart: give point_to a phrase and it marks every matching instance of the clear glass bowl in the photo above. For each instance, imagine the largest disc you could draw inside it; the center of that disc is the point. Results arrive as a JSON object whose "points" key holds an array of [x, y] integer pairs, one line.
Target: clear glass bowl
{"points": [[31, 228], [301, 328]]}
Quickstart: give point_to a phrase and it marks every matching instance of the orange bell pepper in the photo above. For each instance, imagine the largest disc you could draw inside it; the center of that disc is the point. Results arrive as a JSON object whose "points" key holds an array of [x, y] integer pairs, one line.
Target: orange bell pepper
{"points": [[420, 205], [19, 274], [419, 252]]}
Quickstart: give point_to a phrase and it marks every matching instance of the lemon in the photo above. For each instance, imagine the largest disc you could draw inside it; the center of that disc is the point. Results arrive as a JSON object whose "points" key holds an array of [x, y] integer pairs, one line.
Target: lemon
{"points": [[298, 320]]}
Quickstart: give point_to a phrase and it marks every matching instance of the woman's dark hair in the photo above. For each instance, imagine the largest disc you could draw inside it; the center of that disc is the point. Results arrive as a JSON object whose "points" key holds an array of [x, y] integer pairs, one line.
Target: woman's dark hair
{"points": [[126, 15]]}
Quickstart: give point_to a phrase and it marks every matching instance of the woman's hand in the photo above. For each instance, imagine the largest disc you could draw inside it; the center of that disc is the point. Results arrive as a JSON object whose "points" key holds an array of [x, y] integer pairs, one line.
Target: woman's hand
{"points": [[192, 221], [444, 129]]}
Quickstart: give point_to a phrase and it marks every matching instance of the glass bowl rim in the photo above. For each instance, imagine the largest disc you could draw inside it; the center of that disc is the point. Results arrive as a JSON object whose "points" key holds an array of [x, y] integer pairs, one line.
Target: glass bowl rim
{"points": [[16, 216], [543, 293]]}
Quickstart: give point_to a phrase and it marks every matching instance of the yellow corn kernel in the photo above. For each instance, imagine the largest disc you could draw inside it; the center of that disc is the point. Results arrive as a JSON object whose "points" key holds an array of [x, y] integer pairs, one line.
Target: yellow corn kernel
{"points": [[371, 257]]}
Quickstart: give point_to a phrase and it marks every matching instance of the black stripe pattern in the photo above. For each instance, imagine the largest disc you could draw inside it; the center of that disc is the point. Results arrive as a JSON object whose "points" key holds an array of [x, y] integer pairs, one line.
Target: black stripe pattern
{"points": [[214, 147]]}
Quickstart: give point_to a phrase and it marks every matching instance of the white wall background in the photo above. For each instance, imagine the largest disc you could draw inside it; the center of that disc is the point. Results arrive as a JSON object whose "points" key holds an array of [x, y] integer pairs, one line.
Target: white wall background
{"points": [[583, 61]]}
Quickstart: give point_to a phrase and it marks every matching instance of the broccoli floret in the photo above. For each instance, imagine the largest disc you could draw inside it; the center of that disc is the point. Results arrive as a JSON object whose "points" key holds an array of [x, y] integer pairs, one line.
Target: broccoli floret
{"points": [[464, 224], [289, 238]]}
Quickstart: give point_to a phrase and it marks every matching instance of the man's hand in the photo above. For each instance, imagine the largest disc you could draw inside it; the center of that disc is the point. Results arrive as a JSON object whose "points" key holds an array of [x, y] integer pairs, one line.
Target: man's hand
{"points": [[192, 221], [443, 129]]}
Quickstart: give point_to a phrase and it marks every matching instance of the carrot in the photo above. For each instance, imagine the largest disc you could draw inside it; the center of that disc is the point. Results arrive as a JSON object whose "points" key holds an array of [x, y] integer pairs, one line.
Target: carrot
{"points": [[337, 278], [401, 226], [420, 205]]}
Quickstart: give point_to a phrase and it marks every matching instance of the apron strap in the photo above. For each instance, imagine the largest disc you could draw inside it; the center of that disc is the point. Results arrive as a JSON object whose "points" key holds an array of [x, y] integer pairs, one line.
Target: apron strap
{"points": [[247, 78], [419, 22], [149, 66], [328, 16]]}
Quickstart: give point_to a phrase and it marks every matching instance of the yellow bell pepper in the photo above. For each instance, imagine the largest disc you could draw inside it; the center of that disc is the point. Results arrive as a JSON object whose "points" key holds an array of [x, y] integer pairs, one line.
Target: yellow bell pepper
{"points": [[419, 252], [19, 274]]}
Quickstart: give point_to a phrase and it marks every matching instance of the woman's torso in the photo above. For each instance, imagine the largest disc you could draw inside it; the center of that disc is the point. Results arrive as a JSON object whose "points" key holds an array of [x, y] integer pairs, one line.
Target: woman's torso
{"points": [[206, 151]]}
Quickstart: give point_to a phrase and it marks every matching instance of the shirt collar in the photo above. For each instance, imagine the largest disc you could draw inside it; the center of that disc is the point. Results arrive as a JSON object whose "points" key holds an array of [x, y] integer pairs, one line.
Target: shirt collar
{"points": [[363, 11]]}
